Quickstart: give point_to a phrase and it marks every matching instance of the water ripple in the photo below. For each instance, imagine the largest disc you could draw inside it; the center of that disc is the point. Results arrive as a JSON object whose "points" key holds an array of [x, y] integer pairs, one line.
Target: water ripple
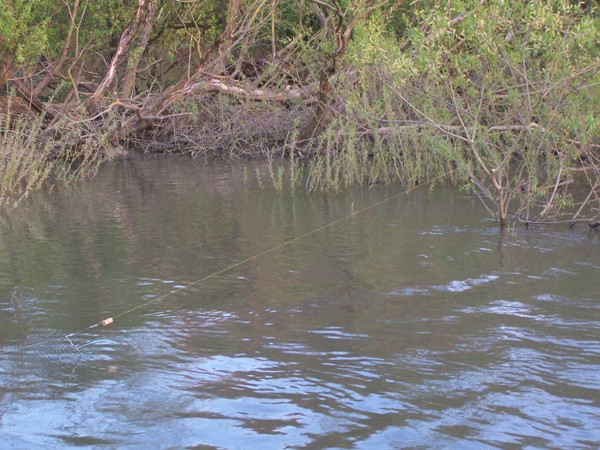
{"points": [[452, 286]]}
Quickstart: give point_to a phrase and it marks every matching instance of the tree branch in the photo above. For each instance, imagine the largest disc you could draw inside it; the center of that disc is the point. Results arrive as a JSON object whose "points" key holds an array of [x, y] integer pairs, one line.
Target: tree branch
{"points": [[126, 38]]}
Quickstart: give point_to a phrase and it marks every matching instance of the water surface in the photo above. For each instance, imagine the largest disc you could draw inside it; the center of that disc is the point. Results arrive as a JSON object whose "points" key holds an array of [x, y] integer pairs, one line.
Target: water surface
{"points": [[414, 324]]}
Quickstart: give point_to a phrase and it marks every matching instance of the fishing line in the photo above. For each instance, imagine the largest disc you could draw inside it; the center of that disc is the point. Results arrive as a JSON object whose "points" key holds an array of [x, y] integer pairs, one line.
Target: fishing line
{"points": [[110, 320]]}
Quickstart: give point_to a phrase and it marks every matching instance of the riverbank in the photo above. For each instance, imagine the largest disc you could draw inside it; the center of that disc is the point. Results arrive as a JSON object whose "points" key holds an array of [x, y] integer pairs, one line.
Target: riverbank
{"points": [[503, 99]]}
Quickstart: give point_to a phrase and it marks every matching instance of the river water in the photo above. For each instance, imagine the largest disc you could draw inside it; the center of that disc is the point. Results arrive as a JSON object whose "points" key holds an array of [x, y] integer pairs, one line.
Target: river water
{"points": [[412, 324]]}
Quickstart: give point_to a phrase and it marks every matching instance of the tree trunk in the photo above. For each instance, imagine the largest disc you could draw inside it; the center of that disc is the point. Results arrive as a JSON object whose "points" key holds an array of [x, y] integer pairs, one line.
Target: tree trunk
{"points": [[190, 85], [126, 38], [128, 84], [342, 36]]}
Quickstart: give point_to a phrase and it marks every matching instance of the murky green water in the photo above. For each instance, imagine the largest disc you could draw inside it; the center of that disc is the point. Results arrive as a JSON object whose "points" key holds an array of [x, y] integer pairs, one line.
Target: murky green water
{"points": [[412, 325]]}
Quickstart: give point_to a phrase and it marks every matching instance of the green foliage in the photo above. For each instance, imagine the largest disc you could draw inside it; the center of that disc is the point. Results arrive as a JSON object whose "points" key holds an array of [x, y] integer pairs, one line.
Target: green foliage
{"points": [[23, 29], [24, 164], [505, 93], [30, 157]]}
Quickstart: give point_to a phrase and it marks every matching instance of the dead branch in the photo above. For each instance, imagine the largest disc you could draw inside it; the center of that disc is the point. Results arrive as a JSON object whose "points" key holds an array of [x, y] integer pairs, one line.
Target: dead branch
{"points": [[237, 89]]}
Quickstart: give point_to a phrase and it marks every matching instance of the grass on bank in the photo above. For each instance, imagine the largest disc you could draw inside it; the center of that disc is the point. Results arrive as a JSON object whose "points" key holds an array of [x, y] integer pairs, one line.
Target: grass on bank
{"points": [[31, 157]]}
